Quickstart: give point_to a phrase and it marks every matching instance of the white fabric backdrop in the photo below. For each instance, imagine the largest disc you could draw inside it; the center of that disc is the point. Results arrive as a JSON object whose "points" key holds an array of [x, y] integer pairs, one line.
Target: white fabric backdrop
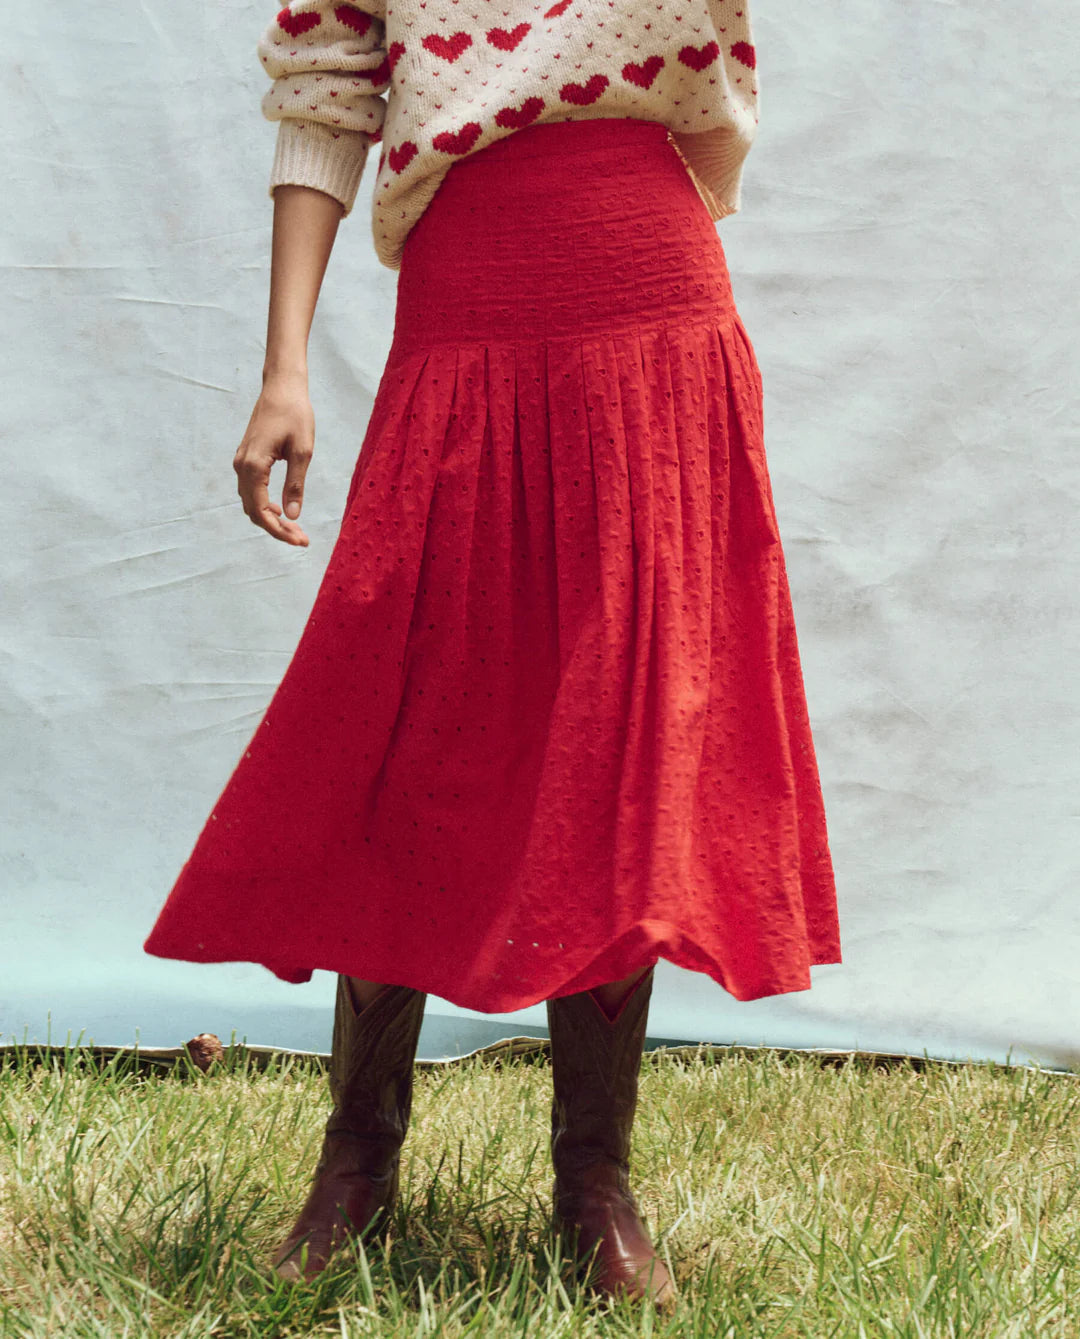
{"points": [[905, 263]]}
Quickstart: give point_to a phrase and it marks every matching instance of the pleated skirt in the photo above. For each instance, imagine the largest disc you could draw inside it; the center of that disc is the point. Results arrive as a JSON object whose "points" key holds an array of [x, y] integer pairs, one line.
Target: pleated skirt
{"points": [[546, 722]]}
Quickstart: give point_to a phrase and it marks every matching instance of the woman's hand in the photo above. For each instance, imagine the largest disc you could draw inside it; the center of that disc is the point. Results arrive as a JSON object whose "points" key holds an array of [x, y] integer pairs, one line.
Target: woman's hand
{"points": [[281, 427]]}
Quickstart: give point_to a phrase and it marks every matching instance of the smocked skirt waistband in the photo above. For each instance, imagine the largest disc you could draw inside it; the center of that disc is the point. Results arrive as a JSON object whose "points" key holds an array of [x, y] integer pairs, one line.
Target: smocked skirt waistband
{"points": [[562, 230]]}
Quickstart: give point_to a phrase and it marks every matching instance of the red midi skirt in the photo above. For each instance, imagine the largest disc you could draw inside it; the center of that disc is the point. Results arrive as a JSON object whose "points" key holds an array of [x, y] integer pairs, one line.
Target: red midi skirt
{"points": [[546, 722]]}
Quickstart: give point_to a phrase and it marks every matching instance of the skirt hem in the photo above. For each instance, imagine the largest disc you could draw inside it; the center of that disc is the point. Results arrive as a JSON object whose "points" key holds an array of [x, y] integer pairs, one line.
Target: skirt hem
{"points": [[641, 946]]}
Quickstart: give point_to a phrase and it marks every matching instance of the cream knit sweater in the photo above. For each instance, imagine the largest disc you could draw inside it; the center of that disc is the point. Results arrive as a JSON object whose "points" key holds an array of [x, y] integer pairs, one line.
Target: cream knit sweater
{"points": [[459, 74]]}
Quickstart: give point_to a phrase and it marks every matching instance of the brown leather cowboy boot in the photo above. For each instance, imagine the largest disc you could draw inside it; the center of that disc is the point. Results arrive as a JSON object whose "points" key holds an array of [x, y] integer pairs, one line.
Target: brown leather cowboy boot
{"points": [[356, 1179], [595, 1063]]}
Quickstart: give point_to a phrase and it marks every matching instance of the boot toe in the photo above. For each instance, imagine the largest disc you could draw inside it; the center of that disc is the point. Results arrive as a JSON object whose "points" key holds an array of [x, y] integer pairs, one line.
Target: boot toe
{"points": [[652, 1279], [291, 1272], [603, 1227], [638, 1277], [291, 1264]]}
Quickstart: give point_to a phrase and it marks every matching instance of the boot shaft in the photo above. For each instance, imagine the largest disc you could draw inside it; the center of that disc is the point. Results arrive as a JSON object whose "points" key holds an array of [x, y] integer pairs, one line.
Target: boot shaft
{"points": [[595, 1064], [372, 1060]]}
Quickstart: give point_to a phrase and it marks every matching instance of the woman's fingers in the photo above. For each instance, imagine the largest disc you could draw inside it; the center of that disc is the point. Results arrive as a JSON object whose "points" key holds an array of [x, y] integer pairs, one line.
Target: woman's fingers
{"points": [[253, 487], [298, 458], [268, 515]]}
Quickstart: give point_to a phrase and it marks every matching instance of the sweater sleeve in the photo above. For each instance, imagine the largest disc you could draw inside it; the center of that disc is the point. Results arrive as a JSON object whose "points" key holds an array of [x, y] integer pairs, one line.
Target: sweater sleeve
{"points": [[715, 158], [329, 66]]}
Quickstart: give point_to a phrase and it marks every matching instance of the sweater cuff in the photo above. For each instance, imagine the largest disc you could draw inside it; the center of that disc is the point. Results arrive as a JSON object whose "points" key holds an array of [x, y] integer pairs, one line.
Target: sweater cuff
{"points": [[715, 161], [725, 199], [308, 154]]}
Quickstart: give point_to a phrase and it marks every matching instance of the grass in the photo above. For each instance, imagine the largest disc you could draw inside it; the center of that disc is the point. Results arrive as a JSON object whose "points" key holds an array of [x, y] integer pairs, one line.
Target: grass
{"points": [[791, 1196]]}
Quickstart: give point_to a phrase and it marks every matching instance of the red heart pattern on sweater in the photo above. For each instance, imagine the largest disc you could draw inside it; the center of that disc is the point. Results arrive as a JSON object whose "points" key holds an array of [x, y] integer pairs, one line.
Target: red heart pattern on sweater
{"points": [[458, 141], [296, 24], [699, 57], [514, 118], [401, 155], [353, 18], [643, 74], [507, 41], [450, 48], [581, 95]]}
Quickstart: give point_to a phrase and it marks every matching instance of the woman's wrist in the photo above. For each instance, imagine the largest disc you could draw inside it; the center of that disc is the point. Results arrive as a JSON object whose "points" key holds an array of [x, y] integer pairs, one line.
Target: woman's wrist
{"points": [[285, 369]]}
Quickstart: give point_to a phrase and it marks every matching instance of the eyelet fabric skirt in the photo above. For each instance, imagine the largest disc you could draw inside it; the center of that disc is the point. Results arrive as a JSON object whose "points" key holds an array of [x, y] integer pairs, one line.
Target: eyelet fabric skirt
{"points": [[546, 722]]}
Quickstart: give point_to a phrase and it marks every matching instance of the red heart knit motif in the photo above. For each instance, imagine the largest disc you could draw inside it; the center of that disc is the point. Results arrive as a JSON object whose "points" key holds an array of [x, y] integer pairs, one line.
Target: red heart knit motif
{"points": [[401, 155], [394, 54], [643, 74], [514, 119], [295, 24], [448, 48], [583, 94], [353, 18], [556, 10], [460, 141], [506, 41], [699, 57], [744, 52]]}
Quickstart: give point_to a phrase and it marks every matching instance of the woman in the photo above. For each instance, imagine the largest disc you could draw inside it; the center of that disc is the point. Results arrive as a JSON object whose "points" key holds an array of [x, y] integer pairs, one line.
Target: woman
{"points": [[546, 722]]}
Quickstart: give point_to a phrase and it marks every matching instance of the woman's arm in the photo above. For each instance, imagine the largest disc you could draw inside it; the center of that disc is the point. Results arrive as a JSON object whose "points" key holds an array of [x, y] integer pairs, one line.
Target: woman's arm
{"points": [[329, 67], [305, 227], [282, 424]]}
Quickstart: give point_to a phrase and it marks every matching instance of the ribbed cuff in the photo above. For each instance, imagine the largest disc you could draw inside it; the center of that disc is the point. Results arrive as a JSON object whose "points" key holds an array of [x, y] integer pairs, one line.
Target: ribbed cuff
{"points": [[308, 154], [725, 199], [715, 161]]}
